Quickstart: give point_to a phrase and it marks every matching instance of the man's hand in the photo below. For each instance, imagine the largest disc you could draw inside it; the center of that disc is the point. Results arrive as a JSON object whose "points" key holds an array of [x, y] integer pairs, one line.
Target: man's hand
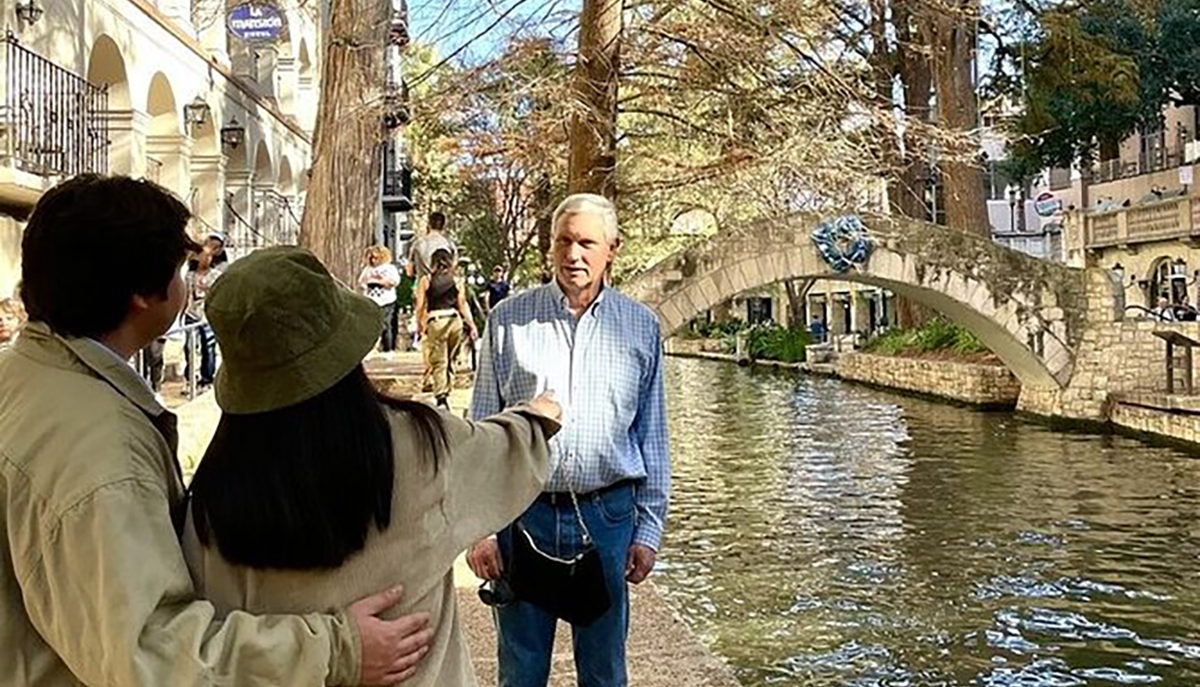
{"points": [[484, 559], [391, 649], [639, 563], [546, 406]]}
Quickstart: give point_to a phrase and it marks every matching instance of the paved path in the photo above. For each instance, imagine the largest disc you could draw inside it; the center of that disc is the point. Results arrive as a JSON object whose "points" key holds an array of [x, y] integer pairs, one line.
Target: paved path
{"points": [[662, 651]]}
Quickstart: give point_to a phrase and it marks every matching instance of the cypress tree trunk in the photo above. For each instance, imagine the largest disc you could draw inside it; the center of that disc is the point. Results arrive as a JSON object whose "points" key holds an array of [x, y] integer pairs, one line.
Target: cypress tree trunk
{"points": [[593, 127], [343, 202], [951, 35]]}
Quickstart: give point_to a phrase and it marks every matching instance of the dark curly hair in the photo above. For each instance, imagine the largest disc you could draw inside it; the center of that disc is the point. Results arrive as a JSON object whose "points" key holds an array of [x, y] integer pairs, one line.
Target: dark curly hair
{"points": [[94, 241]]}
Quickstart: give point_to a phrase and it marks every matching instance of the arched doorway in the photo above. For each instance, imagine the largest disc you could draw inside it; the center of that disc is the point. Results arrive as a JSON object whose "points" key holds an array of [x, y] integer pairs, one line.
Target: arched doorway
{"points": [[265, 209], [206, 175], [289, 214], [236, 204], [106, 68], [1169, 280], [306, 108], [167, 149]]}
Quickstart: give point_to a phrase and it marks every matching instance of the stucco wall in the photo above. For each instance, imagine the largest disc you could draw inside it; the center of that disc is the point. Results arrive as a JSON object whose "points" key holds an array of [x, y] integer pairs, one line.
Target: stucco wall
{"points": [[969, 383]]}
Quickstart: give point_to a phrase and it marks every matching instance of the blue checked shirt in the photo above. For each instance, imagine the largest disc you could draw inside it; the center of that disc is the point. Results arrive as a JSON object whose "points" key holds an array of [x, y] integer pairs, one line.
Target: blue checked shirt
{"points": [[605, 368]]}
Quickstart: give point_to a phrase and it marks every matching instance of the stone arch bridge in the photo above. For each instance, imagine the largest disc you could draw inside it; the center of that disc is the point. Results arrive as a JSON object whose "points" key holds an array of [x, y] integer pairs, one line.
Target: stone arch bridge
{"points": [[1032, 313]]}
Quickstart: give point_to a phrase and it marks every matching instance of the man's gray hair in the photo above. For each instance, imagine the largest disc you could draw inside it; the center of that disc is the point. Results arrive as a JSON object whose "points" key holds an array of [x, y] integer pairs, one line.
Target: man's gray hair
{"points": [[590, 204]]}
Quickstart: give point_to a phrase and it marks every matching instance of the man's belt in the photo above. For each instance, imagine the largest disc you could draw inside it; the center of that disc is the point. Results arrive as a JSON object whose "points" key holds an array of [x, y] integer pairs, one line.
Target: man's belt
{"points": [[564, 497]]}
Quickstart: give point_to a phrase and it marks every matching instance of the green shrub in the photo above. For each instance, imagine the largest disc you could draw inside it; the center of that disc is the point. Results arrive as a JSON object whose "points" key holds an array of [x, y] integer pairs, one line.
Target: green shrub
{"points": [[937, 334], [772, 342], [719, 330]]}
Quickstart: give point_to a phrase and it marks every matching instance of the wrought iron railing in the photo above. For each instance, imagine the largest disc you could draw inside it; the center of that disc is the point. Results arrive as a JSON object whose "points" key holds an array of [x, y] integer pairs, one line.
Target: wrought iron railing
{"points": [[274, 220], [397, 183], [54, 122]]}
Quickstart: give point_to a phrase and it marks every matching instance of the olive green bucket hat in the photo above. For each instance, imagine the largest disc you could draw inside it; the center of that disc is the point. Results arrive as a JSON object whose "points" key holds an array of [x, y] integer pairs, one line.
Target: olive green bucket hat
{"points": [[287, 330]]}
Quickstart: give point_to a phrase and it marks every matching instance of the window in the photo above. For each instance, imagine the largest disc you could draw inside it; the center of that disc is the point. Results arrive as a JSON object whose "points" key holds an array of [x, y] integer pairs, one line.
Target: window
{"points": [[758, 310], [1168, 280], [1060, 179]]}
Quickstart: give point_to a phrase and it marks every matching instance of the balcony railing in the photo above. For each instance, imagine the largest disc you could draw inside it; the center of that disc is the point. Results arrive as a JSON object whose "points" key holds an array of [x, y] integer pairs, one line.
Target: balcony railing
{"points": [[53, 122], [1158, 153], [1176, 218], [397, 189]]}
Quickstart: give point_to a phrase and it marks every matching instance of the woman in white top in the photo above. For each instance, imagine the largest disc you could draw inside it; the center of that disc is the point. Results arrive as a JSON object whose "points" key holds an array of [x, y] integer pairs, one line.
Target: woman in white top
{"points": [[378, 281]]}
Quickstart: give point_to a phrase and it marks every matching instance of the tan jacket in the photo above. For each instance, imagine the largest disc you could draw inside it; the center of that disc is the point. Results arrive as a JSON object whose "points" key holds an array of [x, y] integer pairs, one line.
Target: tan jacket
{"points": [[492, 471], [94, 589]]}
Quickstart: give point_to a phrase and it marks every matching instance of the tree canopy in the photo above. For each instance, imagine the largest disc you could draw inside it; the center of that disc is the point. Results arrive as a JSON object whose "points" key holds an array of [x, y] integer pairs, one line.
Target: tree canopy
{"points": [[1092, 74]]}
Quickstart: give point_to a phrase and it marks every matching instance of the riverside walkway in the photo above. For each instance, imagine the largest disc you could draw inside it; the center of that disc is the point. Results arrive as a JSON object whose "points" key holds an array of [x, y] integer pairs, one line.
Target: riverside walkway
{"points": [[662, 651]]}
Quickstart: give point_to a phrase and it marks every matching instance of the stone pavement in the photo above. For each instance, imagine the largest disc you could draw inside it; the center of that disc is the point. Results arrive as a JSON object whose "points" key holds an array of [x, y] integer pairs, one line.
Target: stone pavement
{"points": [[662, 651]]}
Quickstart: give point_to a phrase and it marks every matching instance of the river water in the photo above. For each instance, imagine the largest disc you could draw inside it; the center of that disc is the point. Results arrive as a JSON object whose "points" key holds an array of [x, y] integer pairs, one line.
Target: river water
{"points": [[823, 533]]}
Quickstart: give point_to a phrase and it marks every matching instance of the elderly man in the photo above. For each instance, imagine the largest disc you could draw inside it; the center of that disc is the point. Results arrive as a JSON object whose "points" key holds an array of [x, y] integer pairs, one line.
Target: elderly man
{"points": [[93, 585], [600, 352]]}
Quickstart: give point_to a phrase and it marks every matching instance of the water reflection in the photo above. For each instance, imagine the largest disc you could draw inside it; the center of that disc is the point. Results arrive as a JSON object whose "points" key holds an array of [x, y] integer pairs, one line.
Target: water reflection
{"points": [[827, 534]]}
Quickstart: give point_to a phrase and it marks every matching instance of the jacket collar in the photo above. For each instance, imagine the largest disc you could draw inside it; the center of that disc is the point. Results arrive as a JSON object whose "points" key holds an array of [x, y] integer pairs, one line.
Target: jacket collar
{"points": [[37, 341]]}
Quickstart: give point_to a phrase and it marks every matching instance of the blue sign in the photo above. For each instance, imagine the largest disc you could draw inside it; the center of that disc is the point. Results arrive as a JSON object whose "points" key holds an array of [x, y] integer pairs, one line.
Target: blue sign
{"points": [[257, 22]]}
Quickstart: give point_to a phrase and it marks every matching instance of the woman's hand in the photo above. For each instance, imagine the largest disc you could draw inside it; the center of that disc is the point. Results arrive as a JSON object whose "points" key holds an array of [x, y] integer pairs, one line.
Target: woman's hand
{"points": [[546, 406]]}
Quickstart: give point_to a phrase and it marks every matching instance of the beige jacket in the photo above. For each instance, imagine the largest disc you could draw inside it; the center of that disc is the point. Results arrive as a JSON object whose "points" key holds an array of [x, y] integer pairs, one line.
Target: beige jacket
{"points": [[492, 471], [94, 589]]}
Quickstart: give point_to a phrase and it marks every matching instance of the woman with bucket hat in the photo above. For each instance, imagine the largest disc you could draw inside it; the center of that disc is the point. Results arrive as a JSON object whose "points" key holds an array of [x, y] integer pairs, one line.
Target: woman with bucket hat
{"points": [[315, 488]]}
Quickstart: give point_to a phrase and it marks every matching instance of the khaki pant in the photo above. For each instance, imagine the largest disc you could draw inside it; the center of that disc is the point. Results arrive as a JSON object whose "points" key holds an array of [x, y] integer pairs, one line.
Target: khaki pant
{"points": [[443, 339]]}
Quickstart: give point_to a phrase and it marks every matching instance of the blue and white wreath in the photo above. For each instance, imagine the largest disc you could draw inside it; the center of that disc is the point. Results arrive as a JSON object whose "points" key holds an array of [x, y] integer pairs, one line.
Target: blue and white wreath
{"points": [[843, 242]]}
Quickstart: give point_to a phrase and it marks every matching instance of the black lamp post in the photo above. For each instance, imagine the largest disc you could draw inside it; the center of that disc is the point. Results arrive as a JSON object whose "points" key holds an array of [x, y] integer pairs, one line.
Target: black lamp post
{"points": [[196, 113], [232, 134], [28, 12]]}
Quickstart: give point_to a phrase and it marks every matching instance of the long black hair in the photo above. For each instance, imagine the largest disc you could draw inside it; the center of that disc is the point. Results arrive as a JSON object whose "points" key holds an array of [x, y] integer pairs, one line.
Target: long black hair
{"points": [[299, 488]]}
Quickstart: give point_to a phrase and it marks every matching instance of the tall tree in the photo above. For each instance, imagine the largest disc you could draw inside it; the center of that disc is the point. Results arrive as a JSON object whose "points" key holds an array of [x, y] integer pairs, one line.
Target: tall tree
{"points": [[949, 31], [342, 206], [594, 123]]}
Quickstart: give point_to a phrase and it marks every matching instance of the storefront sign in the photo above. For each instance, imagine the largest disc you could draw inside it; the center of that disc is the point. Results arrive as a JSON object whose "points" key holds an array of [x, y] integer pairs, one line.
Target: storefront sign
{"points": [[257, 22], [1047, 205], [1186, 175]]}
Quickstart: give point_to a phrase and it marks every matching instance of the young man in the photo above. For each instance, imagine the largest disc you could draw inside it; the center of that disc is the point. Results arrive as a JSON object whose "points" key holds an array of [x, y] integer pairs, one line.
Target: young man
{"points": [[420, 264], [420, 255], [93, 585], [497, 288], [600, 352]]}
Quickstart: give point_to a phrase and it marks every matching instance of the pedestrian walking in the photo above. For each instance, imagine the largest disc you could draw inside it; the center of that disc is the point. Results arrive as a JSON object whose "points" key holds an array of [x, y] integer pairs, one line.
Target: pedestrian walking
{"points": [[443, 316]]}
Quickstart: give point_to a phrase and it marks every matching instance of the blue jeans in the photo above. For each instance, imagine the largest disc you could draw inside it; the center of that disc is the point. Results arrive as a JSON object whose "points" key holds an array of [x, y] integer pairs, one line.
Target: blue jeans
{"points": [[207, 345], [526, 632]]}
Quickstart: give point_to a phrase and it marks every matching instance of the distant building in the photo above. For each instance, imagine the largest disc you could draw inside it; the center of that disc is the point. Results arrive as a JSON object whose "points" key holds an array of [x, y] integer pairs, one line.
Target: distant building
{"points": [[160, 89], [396, 189], [1137, 213]]}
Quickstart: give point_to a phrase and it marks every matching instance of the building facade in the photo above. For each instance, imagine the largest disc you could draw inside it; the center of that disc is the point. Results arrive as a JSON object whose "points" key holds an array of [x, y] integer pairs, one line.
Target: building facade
{"points": [[1137, 213], [159, 89]]}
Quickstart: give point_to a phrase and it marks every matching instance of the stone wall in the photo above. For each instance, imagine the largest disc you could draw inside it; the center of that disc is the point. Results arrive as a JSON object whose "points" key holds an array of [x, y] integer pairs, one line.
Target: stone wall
{"points": [[1114, 358], [1157, 414], [977, 384]]}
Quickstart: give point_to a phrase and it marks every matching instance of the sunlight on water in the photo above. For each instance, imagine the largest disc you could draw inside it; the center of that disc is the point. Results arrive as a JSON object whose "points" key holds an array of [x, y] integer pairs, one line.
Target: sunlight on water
{"points": [[827, 534]]}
